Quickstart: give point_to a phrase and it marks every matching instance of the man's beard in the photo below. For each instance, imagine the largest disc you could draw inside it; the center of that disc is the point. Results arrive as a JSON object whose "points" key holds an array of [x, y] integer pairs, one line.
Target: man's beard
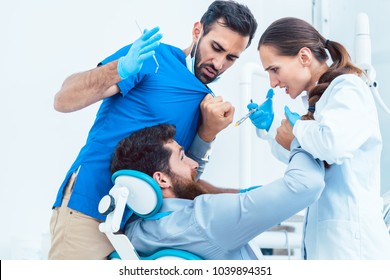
{"points": [[186, 188], [198, 70]]}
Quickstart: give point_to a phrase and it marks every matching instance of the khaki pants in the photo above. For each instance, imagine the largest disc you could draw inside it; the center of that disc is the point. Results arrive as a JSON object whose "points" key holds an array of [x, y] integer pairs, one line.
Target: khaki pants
{"points": [[74, 235]]}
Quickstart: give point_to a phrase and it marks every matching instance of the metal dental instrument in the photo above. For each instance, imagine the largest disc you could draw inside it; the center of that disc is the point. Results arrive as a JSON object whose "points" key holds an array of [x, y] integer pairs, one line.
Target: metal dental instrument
{"points": [[240, 121], [154, 57]]}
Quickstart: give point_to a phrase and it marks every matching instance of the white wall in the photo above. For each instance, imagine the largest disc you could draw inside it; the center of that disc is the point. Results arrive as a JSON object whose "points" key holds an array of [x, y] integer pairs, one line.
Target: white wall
{"points": [[45, 41]]}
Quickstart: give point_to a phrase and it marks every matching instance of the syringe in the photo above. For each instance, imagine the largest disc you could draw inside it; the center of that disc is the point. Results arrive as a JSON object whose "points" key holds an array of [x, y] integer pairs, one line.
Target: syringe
{"points": [[240, 121], [154, 57], [266, 107]]}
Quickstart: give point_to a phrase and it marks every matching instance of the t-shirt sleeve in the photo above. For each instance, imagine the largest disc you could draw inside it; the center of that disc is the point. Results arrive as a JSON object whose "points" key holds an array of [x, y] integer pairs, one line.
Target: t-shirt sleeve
{"points": [[127, 84]]}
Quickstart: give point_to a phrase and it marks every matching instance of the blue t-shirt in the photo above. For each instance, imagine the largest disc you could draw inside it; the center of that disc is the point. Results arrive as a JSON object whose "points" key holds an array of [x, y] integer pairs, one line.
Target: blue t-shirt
{"points": [[172, 95]]}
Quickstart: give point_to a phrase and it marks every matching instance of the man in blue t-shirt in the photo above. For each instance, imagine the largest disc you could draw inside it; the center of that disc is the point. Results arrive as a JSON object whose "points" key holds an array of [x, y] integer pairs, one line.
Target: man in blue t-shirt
{"points": [[141, 85]]}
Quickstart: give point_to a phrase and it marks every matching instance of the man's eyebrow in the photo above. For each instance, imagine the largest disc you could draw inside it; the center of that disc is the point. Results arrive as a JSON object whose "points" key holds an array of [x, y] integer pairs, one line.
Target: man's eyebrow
{"points": [[223, 49]]}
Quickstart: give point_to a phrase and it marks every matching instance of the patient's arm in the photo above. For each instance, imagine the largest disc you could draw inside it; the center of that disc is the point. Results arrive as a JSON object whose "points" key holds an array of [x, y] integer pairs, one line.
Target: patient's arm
{"points": [[211, 189], [216, 116], [200, 151], [237, 219]]}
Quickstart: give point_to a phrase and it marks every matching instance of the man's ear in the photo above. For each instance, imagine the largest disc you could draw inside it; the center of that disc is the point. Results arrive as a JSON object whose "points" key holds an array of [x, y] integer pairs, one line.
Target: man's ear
{"points": [[196, 31], [162, 180], [305, 56], [165, 184]]}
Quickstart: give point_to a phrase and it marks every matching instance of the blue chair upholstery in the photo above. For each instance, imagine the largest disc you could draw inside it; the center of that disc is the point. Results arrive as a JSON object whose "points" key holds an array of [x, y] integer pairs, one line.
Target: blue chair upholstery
{"points": [[143, 196]]}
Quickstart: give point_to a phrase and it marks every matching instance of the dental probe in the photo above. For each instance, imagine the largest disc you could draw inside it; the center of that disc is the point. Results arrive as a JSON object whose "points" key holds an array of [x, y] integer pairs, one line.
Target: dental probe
{"points": [[154, 57]]}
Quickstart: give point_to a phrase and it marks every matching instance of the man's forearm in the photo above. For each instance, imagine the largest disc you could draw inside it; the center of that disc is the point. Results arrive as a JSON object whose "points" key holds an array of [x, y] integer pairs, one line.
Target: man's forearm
{"points": [[200, 151], [83, 89], [211, 189]]}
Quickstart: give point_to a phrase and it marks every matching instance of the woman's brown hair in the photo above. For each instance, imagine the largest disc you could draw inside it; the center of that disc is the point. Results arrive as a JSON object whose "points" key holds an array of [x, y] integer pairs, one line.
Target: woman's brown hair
{"points": [[289, 35]]}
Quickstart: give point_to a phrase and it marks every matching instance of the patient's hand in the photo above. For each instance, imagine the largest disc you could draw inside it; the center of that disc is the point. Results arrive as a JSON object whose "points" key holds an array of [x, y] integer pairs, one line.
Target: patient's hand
{"points": [[216, 116]]}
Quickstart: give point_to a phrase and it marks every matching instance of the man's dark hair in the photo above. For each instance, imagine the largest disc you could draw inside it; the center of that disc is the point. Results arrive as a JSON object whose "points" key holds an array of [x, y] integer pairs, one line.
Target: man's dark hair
{"points": [[144, 150], [235, 16]]}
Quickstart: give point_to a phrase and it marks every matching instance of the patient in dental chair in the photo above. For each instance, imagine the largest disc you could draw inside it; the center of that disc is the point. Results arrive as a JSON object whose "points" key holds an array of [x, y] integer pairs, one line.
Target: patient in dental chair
{"points": [[195, 218]]}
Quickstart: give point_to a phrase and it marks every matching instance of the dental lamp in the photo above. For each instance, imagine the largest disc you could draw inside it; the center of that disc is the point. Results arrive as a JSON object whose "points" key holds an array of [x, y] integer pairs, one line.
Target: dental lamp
{"points": [[363, 56]]}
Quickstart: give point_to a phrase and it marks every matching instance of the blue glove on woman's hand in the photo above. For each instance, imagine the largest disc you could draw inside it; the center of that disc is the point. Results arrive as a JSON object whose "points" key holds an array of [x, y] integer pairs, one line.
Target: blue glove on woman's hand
{"points": [[291, 116], [142, 49], [259, 118], [264, 115]]}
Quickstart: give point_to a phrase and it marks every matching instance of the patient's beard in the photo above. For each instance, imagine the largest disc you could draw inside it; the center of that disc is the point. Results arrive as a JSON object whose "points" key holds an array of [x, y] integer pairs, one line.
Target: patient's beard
{"points": [[186, 188]]}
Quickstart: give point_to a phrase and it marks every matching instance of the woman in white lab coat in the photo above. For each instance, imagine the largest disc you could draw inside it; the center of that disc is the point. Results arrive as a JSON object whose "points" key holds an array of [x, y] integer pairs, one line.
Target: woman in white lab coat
{"points": [[340, 128]]}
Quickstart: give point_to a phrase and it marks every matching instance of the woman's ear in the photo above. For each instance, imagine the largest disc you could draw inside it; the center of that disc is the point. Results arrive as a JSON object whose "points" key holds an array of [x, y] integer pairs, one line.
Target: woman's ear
{"points": [[305, 56]]}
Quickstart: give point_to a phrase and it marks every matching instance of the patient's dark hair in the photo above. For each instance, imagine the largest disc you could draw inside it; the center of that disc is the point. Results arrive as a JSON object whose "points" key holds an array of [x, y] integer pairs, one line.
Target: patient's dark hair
{"points": [[144, 150], [236, 17], [289, 35]]}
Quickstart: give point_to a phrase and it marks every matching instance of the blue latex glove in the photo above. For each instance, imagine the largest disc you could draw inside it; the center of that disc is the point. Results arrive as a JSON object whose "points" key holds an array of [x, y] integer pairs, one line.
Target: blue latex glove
{"points": [[291, 116], [142, 49], [264, 115]]}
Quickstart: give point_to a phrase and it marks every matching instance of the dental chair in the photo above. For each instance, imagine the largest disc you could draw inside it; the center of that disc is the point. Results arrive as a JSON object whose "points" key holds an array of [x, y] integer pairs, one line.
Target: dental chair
{"points": [[143, 196]]}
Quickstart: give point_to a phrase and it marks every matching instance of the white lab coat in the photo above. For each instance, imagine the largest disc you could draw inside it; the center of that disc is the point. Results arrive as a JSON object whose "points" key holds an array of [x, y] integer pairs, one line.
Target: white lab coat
{"points": [[346, 222]]}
